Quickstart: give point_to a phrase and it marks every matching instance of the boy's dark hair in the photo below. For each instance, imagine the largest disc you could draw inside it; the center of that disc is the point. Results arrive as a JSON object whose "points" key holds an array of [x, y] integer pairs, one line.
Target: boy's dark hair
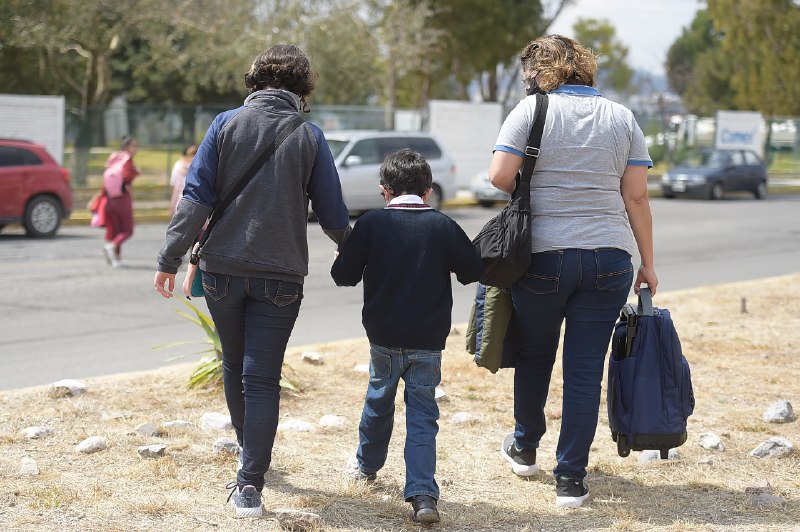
{"points": [[406, 172], [283, 66]]}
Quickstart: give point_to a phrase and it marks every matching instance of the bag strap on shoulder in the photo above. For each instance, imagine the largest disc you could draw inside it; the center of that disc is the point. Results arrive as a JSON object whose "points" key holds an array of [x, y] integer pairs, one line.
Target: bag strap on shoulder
{"points": [[219, 209], [534, 138]]}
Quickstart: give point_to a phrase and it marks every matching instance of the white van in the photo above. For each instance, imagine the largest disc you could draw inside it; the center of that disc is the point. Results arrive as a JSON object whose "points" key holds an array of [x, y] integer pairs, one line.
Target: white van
{"points": [[358, 156]]}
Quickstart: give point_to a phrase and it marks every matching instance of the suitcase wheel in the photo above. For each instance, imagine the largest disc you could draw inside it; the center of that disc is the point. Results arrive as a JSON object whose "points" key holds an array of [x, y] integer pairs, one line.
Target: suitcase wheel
{"points": [[622, 448]]}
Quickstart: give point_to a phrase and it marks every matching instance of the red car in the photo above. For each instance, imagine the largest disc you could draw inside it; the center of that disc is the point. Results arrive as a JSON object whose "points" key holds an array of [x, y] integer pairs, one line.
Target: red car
{"points": [[34, 189]]}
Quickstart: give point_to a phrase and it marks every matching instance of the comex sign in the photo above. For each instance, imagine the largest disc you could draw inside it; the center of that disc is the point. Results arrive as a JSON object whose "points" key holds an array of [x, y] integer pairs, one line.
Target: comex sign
{"points": [[740, 130]]}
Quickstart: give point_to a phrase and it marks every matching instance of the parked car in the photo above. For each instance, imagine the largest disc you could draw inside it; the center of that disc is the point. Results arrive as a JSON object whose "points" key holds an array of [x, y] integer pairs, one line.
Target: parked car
{"points": [[484, 192], [712, 173], [359, 154], [34, 190]]}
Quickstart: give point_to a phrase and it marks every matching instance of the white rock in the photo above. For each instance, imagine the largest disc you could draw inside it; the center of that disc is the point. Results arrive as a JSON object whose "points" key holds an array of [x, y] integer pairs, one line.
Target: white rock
{"points": [[28, 467], [766, 499], [779, 412], [34, 433], [296, 425], [66, 388], [775, 447], [296, 520], [147, 429], [440, 394], [651, 456], [361, 368], [152, 451], [312, 357], [225, 445], [215, 421], [709, 440], [463, 417], [92, 444], [333, 421], [179, 424]]}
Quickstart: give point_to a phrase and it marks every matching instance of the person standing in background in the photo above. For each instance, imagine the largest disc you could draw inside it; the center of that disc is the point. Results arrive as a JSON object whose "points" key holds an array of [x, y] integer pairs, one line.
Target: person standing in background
{"points": [[118, 176], [178, 177]]}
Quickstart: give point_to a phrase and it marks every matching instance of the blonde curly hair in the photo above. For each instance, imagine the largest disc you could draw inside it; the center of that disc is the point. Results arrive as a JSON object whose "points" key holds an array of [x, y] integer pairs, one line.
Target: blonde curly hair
{"points": [[559, 60]]}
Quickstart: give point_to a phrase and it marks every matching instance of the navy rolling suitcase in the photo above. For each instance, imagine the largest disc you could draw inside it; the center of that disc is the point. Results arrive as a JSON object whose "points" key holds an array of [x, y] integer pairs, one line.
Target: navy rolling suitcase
{"points": [[649, 383]]}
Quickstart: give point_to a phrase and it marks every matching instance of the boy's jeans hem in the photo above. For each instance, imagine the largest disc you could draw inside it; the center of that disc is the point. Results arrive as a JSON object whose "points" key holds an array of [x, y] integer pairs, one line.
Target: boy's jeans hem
{"points": [[409, 497]]}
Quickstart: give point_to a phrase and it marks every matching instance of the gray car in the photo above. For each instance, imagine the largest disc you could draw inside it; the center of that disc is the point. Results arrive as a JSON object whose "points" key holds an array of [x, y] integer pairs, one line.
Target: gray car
{"points": [[712, 173]]}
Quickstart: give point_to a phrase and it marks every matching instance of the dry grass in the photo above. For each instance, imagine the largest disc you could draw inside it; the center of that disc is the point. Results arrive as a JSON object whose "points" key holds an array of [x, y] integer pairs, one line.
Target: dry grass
{"points": [[741, 364]]}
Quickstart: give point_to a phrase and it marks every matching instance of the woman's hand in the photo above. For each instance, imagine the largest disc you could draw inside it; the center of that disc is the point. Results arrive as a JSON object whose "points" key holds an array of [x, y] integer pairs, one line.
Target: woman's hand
{"points": [[648, 276], [164, 283]]}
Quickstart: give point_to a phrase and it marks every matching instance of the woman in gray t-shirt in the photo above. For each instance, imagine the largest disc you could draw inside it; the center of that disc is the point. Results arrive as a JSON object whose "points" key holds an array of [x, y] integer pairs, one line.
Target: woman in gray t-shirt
{"points": [[590, 214]]}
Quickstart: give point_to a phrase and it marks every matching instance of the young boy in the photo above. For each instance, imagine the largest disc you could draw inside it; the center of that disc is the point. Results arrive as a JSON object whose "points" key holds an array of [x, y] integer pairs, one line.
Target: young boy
{"points": [[405, 254]]}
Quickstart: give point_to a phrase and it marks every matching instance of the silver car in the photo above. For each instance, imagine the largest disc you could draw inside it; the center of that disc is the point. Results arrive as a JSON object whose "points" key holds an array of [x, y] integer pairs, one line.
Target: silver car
{"points": [[358, 156], [484, 192]]}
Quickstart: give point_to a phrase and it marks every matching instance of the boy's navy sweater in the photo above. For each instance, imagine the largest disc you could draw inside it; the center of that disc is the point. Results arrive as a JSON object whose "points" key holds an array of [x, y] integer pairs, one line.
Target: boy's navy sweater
{"points": [[405, 257]]}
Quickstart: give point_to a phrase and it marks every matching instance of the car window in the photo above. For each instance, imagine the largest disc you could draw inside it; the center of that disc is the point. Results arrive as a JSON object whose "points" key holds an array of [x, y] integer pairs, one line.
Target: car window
{"points": [[11, 156], [425, 146], [737, 159], [751, 158], [336, 146], [367, 149]]}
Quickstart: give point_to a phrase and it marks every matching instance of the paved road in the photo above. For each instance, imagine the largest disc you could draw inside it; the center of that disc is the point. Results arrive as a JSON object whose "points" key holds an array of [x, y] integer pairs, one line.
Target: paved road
{"points": [[65, 314]]}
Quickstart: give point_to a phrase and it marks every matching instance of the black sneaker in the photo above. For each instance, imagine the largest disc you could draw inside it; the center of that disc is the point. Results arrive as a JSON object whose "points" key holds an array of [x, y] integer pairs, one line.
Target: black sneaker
{"points": [[523, 461], [570, 493], [425, 512], [246, 500]]}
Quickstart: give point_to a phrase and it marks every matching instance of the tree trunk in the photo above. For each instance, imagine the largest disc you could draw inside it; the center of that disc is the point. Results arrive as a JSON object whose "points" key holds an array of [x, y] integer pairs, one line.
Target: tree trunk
{"points": [[80, 156], [492, 85]]}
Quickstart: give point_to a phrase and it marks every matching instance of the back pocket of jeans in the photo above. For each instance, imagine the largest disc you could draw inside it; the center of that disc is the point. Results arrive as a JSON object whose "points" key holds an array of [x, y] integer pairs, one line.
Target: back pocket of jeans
{"points": [[614, 270], [380, 365], [283, 293], [215, 285], [544, 273]]}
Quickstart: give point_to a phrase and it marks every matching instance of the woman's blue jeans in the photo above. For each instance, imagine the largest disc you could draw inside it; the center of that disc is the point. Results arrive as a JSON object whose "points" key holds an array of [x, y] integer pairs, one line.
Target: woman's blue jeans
{"points": [[254, 318], [587, 288], [422, 372]]}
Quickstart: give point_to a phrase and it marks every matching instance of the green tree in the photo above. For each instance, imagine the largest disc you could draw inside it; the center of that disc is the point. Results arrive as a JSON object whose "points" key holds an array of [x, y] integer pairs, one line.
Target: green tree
{"points": [[699, 70], [762, 38], [613, 72]]}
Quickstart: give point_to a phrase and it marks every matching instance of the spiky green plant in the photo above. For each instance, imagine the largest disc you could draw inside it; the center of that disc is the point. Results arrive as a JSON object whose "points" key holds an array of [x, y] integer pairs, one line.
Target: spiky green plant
{"points": [[208, 372]]}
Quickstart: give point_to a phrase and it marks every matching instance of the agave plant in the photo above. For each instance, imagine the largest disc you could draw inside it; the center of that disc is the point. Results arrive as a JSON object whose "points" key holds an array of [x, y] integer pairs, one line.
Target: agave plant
{"points": [[208, 372]]}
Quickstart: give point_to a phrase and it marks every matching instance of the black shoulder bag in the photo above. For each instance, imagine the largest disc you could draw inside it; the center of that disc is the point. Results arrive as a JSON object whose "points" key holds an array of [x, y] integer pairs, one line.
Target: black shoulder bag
{"points": [[504, 243], [219, 209]]}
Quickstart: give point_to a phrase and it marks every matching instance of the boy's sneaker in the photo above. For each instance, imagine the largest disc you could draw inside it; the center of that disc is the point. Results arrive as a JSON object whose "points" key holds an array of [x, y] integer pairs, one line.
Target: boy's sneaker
{"points": [[570, 493], [108, 251], [523, 461], [246, 500], [424, 507]]}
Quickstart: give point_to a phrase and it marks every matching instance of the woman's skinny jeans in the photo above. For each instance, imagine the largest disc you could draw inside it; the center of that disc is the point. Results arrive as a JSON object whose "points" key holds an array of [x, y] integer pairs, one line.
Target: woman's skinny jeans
{"points": [[254, 318]]}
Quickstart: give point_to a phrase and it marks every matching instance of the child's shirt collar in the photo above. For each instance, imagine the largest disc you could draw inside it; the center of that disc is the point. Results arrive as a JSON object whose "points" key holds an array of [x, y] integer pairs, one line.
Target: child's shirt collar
{"points": [[407, 201]]}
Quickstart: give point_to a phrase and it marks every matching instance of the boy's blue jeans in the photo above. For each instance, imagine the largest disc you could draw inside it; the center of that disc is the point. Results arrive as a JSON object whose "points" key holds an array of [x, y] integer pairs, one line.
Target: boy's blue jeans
{"points": [[254, 317], [586, 288], [421, 371]]}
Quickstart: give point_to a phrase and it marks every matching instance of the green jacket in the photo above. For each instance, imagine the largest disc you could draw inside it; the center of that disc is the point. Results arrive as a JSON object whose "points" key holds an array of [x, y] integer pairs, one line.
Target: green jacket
{"points": [[489, 337]]}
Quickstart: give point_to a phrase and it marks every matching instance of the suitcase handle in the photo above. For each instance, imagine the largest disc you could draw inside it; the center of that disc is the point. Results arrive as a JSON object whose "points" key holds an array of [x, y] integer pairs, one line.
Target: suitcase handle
{"points": [[645, 302]]}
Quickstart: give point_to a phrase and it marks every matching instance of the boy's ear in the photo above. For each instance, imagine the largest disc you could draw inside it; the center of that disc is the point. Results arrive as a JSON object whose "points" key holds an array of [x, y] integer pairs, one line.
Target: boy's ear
{"points": [[427, 194]]}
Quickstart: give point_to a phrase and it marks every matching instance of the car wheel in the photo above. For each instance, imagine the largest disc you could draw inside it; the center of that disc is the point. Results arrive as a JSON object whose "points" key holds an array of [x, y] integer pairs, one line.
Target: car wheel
{"points": [[486, 203], [761, 190], [668, 195], [716, 192], [42, 216], [2, 226], [435, 197]]}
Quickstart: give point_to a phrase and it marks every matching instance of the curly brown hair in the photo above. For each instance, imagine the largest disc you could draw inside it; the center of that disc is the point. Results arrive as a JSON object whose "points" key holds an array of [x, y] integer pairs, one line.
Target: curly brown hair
{"points": [[283, 66], [559, 60]]}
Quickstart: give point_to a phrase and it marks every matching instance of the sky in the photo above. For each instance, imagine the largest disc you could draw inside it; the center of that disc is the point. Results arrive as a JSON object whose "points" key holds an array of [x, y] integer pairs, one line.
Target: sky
{"points": [[647, 27]]}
